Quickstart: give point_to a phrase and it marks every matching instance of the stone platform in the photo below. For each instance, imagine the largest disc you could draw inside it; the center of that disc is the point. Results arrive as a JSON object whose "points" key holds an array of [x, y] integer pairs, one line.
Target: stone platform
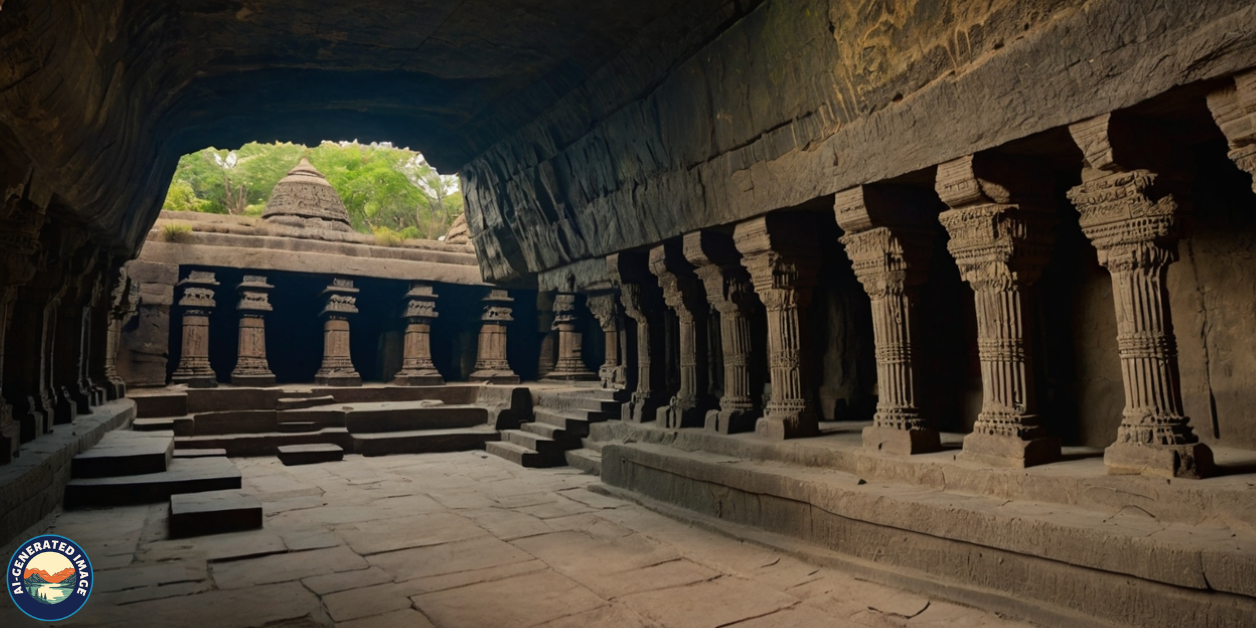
{"points": [[310, 454], [213, 512], [937, 524]]}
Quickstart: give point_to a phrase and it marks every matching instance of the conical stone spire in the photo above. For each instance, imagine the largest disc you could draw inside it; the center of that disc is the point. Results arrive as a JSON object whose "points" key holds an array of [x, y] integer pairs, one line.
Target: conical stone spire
{"points": [[304, 198]]}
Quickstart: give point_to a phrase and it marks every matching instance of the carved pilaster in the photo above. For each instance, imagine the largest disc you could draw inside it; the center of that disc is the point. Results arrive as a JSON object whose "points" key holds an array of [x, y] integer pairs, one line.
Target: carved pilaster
{"points": [[490, 362], [568, 324], [197, 303], [417, 368], [124, 304], [252, 367], [1001, 226], [888, 239], [1234, 109], [643, 304], [729, 291], [1131, 215], [683, 293], [20, 222], [337, 368], [548, 352], [782, 254], [605, 308]]}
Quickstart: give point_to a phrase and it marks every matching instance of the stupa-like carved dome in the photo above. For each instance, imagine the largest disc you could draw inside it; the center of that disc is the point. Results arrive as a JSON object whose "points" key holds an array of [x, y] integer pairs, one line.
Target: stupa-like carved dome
{"points": [[304, 198]]}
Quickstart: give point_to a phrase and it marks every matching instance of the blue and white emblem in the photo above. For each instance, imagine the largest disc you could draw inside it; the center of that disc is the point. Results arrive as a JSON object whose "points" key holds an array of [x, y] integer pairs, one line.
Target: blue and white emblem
{"points": [[49, 577]]}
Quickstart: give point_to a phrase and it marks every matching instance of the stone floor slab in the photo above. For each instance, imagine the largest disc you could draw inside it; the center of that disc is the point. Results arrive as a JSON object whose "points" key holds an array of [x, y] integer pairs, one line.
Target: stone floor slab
{"points": [[285, 567], [408, 618], [517, 602], [387, 535], [708, 604], [446, 558]]}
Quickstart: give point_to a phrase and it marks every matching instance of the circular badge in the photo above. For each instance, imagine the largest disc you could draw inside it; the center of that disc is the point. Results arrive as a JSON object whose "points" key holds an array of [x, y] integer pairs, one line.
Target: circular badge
{"points": [[49, 577]]}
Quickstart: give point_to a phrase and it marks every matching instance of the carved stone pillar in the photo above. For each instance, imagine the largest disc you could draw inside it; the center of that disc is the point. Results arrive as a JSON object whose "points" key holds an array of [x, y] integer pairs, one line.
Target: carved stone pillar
{"points": [[570, 364], [144, 348], [683, 293], [782, 254], [490, 362], [1234, 109], [123, 306], [20, 222], [337, 368], [252, 367], [1131, 212], [548, 352], [643, 303], [1001, 226], [728, 290], [197, 303], [605, 308], [417, 368], [889, 239]]}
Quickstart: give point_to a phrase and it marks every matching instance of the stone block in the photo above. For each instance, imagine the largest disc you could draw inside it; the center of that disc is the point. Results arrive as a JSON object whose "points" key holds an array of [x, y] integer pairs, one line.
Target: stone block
{"points": [[213, 512], [310, 454]]}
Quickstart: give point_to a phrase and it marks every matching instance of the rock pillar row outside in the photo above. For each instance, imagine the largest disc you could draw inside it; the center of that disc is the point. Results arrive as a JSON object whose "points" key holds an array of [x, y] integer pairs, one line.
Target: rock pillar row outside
{"points": [[643, 303], [605, 308], [20, 222], [252, 367], [124, 303], [684, 294], [197, 303], [889, 238], [337, 368], [781, 252], [1131, 201], [729, 291], [570, 364], [490, 359], [417, 368], [1001, 225], [1234, 109]]}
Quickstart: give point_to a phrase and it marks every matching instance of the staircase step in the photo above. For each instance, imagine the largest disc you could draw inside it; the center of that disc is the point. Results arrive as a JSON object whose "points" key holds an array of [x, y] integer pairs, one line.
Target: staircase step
{"points": [[423, 441], [586, 460], [539, 444], [593, 404], [295, 403], [298, 426], [396, 416], [235, 422], [199, 453], [575, 425], [213, 512], [125, 452], [310, 454], [159, 404], [265, 444], [552, 432], [152, 425], [523, 456], [183, 475]]}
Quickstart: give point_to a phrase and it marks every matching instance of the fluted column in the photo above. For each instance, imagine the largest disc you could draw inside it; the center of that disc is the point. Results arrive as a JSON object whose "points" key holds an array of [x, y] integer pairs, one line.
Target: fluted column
{"points": [[124, 304], [782, 255], [567, 323], [417, 368], [490, 361], [683, 293], [643, 303], [889, 239], [197, 303], [252, 368], [1234, 108], [20, 222], [337, 368], [1131, 215], [605, 308], [729, 291], [1001, 226]]}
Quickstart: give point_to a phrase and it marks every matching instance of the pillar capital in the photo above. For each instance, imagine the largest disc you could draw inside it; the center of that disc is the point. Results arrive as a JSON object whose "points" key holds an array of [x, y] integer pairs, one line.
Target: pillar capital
{"points": [[417, 368], [1234, 108], [1130, 201], [341, 299], [781, 251], [889, 233]]}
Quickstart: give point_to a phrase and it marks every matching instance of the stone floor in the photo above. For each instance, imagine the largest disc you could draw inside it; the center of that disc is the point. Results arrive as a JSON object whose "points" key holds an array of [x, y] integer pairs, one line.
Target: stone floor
{"points": [[460, 540]]}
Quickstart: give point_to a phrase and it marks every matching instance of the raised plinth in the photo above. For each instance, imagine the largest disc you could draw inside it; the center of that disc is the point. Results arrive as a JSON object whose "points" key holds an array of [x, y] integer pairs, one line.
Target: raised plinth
{"points": [[1006, 451], [310, 454], [901, 442], [213, 512], [1192, 460]]}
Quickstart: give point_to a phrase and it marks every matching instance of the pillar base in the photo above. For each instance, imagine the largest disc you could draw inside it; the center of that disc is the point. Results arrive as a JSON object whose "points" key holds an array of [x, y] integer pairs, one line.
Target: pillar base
{"points": [[731, 421], [494, 377], [576, 376], [256, 381], [338, 379], [1193, 461], [641, 410], [10, 435], [65, 410], [1009, 451], [420, 378], [196, 381], [777, 428], [888, 440]]}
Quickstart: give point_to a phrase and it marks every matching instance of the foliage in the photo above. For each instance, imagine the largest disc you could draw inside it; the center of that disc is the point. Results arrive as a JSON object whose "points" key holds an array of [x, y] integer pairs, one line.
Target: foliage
{"points": [[382, 187], [176, 231]]}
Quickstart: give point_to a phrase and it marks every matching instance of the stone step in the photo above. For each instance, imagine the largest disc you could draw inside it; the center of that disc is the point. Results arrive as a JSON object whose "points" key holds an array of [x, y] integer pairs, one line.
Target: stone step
{"points": [[125, 452], [423, 441], [593, 404], [298, 426], [575, 422], [234, 422], [586, 460], [296, 403], [152, 405], [265, 444], [199, 453], [310, 454], [407, 416], [546, 430], [523, 456], [213, 512], [151, 425], [539, 444], [183, 475]]}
